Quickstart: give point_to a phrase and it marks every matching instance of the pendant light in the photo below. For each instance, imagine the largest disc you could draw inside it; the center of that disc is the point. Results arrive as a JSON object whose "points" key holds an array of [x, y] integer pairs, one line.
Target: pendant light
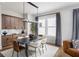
{"points": [[24, 16]]}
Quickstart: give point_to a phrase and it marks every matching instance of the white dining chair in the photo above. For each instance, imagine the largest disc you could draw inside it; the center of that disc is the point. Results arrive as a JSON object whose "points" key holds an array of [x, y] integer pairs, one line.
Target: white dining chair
{"points": [[36, 45], [44, 41]]}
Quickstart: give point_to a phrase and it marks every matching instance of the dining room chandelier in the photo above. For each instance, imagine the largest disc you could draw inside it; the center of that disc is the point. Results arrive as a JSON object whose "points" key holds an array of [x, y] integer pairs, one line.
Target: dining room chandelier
{"points": [[25, 15]]}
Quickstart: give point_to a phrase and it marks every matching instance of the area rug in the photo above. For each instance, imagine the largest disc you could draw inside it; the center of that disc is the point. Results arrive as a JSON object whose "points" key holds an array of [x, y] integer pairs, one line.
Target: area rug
{"points": [[50, 52]]}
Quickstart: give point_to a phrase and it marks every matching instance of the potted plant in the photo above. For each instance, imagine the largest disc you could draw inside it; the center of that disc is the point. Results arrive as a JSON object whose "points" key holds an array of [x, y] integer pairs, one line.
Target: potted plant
{"points": [[33, 28]]}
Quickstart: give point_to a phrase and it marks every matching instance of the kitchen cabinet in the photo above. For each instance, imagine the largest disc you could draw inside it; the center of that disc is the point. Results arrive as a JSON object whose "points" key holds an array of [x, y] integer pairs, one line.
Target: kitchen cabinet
{"points": [[6, 40], [6, 22], [11, 22]]}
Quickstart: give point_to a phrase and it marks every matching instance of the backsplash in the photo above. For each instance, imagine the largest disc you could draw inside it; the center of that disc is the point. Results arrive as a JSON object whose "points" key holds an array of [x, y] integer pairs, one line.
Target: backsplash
{"points": [[10, 31]]}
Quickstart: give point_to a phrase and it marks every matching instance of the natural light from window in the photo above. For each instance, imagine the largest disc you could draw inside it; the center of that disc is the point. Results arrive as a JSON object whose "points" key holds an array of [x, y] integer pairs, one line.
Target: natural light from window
{"points": [[47, 25]]}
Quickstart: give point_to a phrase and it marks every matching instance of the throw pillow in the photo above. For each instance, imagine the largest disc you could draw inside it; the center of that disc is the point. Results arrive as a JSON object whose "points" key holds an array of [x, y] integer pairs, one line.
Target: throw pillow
{"points": [[75, 43]]}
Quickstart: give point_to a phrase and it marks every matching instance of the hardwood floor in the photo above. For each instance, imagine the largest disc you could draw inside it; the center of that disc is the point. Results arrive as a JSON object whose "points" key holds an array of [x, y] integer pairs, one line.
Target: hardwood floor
{"points": [[50, 52], [7, 47], [61, 53]]}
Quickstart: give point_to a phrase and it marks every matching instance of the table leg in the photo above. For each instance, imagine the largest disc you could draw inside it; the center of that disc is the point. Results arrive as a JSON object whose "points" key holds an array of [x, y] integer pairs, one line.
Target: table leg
{"points": [[26, 50]]}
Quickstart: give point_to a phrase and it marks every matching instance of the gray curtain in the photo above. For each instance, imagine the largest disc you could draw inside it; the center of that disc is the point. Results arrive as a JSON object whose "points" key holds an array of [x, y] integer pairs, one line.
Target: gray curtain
{"points": [[75, 32], [58, 30]]}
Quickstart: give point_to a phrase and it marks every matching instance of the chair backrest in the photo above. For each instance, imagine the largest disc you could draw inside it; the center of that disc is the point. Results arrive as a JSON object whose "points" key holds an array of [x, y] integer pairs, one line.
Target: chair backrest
{"points": [[20, 37], [41, 35], [14, 36], [31, 36], [44, 40], [38, 43], [16, 46]]}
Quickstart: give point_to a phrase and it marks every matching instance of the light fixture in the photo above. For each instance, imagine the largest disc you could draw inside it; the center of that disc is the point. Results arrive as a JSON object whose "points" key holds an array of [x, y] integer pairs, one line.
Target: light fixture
{"points": [[25, 16]]}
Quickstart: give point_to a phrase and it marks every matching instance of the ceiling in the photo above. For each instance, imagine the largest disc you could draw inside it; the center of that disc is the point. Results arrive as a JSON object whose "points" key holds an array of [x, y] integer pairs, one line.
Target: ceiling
{"points": [[43, 6], [50, 6], [18, 7]]}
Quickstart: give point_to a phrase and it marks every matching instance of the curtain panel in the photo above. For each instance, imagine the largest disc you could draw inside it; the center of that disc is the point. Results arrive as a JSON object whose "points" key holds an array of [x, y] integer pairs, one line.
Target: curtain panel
{"points": [[75, 32], [58, 30]]}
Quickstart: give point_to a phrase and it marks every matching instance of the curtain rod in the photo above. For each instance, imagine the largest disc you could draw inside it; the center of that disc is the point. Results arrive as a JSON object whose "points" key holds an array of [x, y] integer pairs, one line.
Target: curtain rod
{"points": [[47, 14], [32, 4]]}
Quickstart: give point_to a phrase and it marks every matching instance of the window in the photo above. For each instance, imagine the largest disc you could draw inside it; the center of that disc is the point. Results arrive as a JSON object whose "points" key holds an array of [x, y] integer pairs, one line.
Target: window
{"points": [[51, 22], [47, 25], [41, 26]]}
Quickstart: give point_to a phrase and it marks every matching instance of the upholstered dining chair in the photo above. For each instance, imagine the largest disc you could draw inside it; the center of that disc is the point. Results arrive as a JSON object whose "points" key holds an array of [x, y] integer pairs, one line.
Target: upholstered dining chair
{"points": [[31, 37], [36, 45], [44, 41], [17, 48], [14, 37]]}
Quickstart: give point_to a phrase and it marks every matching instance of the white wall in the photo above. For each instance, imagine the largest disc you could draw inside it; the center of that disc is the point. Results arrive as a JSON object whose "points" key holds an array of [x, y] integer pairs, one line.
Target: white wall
{"points": [[12, 13], [66, 23]]}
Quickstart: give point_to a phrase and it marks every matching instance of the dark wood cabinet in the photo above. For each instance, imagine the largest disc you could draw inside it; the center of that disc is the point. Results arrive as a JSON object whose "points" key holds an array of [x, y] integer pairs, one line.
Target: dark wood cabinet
{"points": [[8, 22], [3, 41], [11, 22], [21, 24], [6, 40], [4, 22], [16, 23]]}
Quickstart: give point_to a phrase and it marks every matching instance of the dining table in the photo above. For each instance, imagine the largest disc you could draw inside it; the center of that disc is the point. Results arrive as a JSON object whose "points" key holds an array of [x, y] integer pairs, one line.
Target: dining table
{"points": [[26, 42]]}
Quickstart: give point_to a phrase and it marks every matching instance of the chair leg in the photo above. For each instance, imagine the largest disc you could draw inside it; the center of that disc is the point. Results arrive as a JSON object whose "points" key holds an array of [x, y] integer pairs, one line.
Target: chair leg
{"points": [[12, 53], [45, 47], [39, 51], [17, 54], [35, 52], [20, 52], [42, 48]]}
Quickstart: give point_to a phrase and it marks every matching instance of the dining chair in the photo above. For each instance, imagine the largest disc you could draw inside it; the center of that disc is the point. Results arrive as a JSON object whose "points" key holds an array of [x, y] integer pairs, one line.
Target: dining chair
{"points": [[44, 41], [31, 37], [14, 37], [36, 45], [17, 47]]}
